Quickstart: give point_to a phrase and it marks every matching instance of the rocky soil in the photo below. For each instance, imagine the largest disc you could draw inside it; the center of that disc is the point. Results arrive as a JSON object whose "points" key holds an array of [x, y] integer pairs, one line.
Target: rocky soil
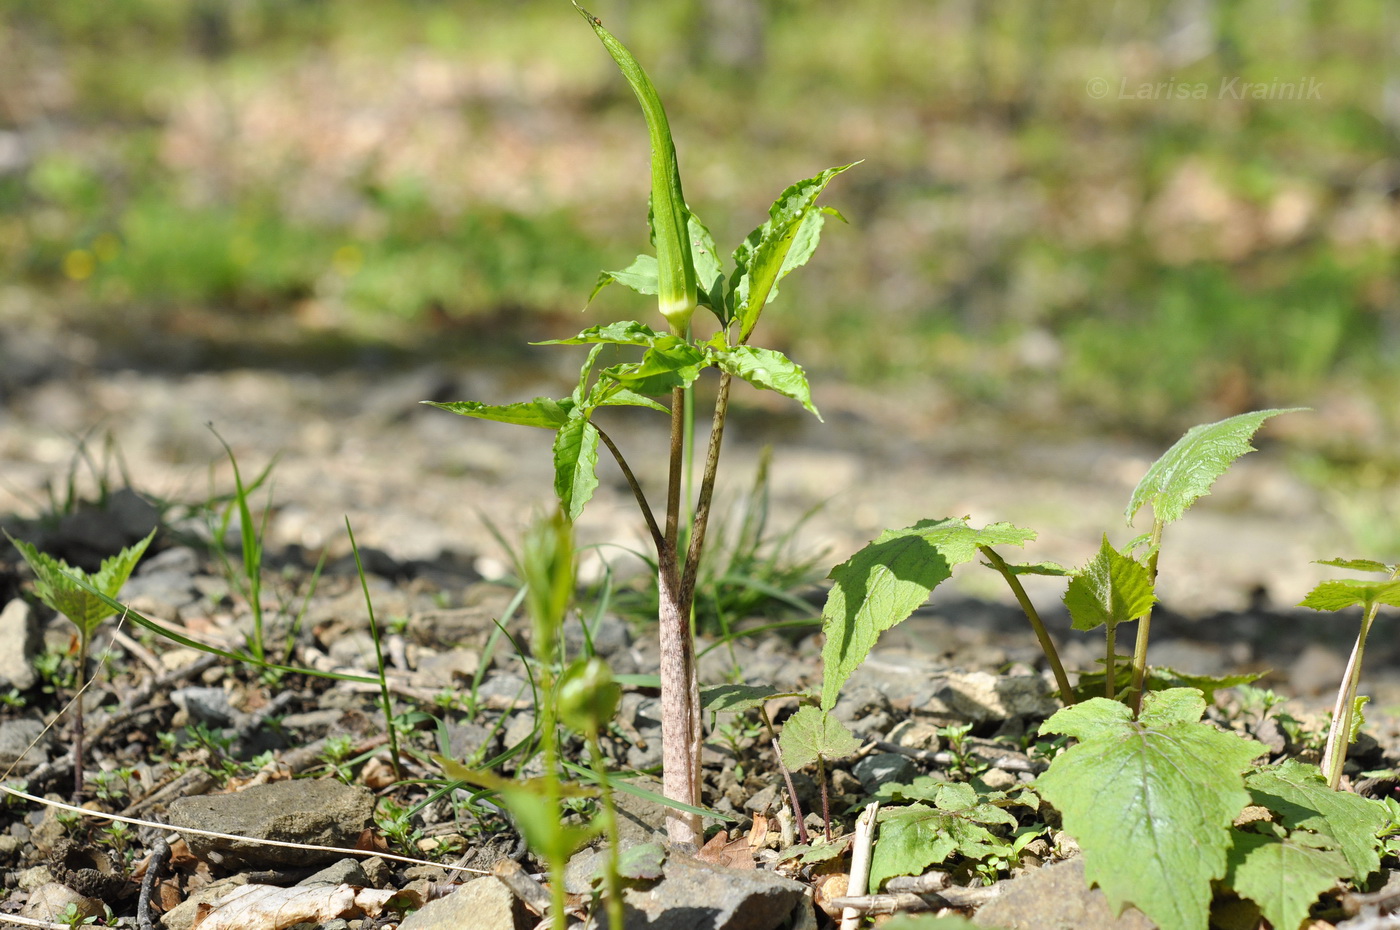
{"points": [[205, 744]]}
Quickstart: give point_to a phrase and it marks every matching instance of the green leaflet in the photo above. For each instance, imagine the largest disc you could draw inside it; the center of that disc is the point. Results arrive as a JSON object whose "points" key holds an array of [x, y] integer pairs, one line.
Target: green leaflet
{"points": [[1339, 595], [1299, 795], [810, 733], [575, 465], [709, 273], [915, 837], [671, 363], [1112, 589], [1361, 565], [885, 582], [624, 333], [784, 242], [55, 585], [1150, 801], [542, 412], [669, 215], [1283, 875], [769, 370], [641, 276], [1186, 471]]}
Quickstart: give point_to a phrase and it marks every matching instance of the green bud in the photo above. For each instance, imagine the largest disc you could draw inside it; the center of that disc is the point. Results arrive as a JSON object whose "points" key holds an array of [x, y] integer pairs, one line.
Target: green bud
{"points": [[587, 696]]}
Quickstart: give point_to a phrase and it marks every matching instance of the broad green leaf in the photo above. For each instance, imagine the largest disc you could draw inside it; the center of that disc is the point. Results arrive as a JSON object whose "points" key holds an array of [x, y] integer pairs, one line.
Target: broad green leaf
{"points": [[1339, 595], [1186, 471], [640, 276], [575, 465], [669, 215], [1112, 589], [1299, 795], [542, 412], [810, 733], [915, 837], [885, 582], [734, 699], [768, 370], [624, 333], [56, 582], [667, 365], [709, 274], [1284, 876], [784, 242], [612, 394], [1360, 565], [922, 788], [1150, 801]]}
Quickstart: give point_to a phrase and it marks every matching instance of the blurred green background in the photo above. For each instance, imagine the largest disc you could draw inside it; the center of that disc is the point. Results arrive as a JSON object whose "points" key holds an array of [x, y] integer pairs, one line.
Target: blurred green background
{"points": [[1129, 215]]}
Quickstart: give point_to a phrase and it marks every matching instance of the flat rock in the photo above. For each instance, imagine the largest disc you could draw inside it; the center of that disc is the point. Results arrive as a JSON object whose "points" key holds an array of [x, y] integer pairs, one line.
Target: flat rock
{"points": [[319, 812], [15, 739], [482, 904], [695, 895], [979, 697], [1056, 897], [20, 640]]}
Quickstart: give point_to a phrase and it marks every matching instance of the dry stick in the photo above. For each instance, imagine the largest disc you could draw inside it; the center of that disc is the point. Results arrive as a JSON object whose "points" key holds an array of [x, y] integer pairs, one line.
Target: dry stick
{"points": [[907, 902], [1047, 645], [792, 796], [860, 861], [144, 917]]}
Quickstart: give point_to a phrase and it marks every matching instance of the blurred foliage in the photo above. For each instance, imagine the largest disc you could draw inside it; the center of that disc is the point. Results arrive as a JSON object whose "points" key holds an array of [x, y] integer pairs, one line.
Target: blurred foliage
{"points": [[1072, 202]]}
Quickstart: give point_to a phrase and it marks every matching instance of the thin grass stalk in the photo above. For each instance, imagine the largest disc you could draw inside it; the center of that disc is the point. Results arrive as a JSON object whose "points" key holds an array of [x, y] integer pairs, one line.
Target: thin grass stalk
{"points": [[385, 702], [1047, 645]]}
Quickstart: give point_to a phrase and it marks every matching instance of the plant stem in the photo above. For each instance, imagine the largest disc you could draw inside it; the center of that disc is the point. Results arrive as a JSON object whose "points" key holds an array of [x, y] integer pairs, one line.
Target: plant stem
{"points": [[792, 797], [81, 680], [1145, 625], [613, 873], [636, 487], [707, 489], [826, 796], [1047, 645], [1339, 737], [680, 705], [1111, 639]]}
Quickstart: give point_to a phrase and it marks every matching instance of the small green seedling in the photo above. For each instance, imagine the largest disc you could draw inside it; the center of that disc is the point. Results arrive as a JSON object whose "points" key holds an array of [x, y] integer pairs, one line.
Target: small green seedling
{"points": [[55, 585], [1369, 595]]}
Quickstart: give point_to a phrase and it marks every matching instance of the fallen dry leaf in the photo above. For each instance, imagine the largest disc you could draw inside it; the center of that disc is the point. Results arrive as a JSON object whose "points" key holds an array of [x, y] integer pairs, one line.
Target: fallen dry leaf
{"points": [[721, 850]]}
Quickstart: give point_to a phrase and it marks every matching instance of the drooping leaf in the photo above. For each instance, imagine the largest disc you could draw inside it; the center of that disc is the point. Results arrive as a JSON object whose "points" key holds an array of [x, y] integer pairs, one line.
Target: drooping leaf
{"points": [[770, 371], [810, 733], [1150, 801], [669, 364], [1341, 594], [640, 276], [609, 393], [1112, 589], [885, 582], [1049, 569], [669, 215], [1186, 471], [734, 699], [575, 465], [1360, 565], [1283, 875], [915, 837], [775, 248], [55, 584], [542, 412], [622, 333], [1299, 795]]}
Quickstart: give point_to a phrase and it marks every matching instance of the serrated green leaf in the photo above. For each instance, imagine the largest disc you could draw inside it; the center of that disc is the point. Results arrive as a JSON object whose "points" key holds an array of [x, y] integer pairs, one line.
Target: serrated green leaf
{"points": [[734, 699], [1112, 589], [810, 733], [922, 788], [1150, 801], [575, 465], [622, 333], [886, 581], [1341, 594], [1283, 876], [784, 242], [768, 370], [542, 412], [1299, 795], [1186, 471], [1360, 565], [671, 363], [640, 276], [55, 585], [915, 837]]}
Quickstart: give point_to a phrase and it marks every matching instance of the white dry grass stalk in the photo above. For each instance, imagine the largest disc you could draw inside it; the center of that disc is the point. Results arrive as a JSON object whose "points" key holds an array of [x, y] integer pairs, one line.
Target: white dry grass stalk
{"points": [[860, 862]]}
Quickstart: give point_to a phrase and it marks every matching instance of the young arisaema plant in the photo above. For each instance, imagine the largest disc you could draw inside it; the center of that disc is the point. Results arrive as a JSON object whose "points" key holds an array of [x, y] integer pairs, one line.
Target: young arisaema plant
{"points": [[685, 273], [54, 584]]}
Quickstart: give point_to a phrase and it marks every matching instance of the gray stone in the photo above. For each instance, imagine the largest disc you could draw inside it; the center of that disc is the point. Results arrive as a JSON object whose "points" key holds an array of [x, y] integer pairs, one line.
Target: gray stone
{"points": [[15, 737], [638, 819], [696, 895], [884, 768], [321, 812], [1056, 897], [465, 739], [49, 901], [341, 872], [20, 642], [482, 904], [979, 697], [450, 669], [209, 706]]}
